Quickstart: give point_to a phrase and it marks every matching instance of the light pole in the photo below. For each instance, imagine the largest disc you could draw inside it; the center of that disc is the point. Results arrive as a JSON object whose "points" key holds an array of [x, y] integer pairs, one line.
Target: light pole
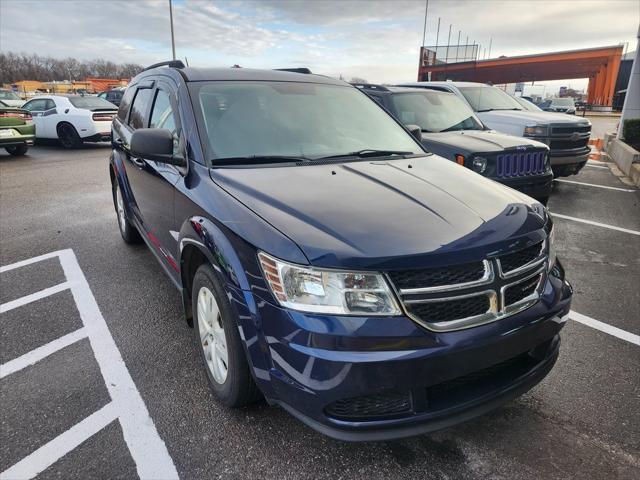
{"points": [[173, 43]]}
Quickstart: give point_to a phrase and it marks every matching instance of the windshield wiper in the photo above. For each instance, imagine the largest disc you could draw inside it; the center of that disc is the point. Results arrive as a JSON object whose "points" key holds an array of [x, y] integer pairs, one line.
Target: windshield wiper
{"points": [[368, 152], [492, 109], [258, 159]]}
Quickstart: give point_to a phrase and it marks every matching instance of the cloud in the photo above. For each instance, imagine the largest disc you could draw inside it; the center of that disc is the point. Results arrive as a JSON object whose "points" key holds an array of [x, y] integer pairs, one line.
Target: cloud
{"points": [[377, 40]]}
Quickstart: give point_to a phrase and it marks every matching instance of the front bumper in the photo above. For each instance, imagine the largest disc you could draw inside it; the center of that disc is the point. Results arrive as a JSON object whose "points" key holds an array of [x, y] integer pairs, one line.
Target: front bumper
{"points": [[318, 362], [564, 164], [538, 187]]}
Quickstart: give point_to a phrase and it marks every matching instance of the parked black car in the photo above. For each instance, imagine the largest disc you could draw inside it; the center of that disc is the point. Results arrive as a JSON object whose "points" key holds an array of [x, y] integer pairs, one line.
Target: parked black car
{"points": [[114, 96], [326, 260], [450, 128]]}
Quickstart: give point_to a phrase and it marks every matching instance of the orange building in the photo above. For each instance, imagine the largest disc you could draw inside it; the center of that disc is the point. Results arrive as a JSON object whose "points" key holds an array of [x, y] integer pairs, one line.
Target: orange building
{"points": [[599, 65]]}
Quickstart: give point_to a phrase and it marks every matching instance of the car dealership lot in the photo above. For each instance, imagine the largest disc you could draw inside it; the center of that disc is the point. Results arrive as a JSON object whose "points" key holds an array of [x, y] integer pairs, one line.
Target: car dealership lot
{"points": [[582, 421]]}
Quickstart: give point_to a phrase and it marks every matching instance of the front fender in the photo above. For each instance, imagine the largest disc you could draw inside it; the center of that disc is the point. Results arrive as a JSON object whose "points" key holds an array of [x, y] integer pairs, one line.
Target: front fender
{"points": [[203, 234]]}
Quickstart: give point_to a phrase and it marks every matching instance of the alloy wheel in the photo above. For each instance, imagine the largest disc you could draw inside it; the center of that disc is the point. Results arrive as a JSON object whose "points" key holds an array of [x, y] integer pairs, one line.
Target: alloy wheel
{"points": [[212, 338]]}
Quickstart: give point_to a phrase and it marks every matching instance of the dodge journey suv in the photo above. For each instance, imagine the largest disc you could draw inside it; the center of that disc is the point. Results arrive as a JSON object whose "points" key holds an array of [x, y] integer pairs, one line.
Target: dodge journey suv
{"points": [[325, 260]]}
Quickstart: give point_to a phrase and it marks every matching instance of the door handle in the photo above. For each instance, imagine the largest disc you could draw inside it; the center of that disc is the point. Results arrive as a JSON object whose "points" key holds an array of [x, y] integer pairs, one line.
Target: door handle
{"points": [[138, 162]]}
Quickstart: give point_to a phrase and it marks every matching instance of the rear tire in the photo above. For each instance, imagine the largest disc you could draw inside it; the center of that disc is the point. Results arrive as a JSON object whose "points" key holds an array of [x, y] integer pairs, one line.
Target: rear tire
{"points": [[68, 136], [18, 150], [218, 341], [129, 233]]}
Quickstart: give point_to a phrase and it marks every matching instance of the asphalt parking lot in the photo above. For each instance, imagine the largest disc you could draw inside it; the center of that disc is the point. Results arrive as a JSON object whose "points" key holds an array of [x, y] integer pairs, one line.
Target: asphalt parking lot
{"points": [[127, 396]]}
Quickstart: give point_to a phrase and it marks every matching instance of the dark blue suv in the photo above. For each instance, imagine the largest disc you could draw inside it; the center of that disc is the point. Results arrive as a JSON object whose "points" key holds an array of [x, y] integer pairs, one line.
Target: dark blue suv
{"points": [[326, 261]]}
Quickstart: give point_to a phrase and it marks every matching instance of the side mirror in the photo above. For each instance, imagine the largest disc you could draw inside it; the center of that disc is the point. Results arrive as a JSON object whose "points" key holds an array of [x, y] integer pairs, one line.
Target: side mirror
{"points": [[155, 144], [416, 131]]}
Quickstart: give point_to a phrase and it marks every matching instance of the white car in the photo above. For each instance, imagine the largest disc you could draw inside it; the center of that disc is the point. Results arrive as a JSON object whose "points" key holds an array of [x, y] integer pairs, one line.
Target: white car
{"points": [[72, 119], [10, 98]]}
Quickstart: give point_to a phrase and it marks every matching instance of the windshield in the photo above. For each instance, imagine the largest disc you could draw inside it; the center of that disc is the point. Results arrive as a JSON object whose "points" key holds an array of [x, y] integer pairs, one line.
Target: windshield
{"points": [[7, 95], [563, 102], [91, 103], [483, 99], [527, 105], [270, 119], [434, 111]]}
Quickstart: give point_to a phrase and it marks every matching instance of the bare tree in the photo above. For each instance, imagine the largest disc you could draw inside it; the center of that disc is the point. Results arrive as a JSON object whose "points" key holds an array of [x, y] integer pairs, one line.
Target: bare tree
{"points": [[22, 66]]}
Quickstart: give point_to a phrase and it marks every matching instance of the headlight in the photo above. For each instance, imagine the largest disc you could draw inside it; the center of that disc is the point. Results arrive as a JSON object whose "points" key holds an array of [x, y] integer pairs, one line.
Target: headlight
{"points": [[479, 164], [328, 291], [535, 130], [551, 249]]}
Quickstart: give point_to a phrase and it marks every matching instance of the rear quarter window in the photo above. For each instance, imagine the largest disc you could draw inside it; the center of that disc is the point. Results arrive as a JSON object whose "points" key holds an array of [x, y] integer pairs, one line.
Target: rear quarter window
{"points": [[125, 103], [139, 108]]}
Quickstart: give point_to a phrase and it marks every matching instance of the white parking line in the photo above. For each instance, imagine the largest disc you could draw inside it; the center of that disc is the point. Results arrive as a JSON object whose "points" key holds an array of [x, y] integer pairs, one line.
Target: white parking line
{"points": [[49, 453], [594, 185], [147, 448], [604, 327], [597, 224], [39, 353], [596, 166], [18, 302], [597, 162]]}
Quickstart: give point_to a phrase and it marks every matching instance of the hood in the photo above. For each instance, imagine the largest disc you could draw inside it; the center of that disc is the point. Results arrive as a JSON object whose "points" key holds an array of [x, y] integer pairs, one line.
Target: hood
{"points": [[478, 141], [527, 116], [386, 214]]}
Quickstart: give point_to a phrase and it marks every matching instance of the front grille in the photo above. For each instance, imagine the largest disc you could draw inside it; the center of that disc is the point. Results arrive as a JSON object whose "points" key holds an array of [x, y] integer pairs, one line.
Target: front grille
{"points": [[563, 144], [569, 130], [519, 292], [435, 277], [371, 407], [448, 310], [518, 259], [518, 164]]}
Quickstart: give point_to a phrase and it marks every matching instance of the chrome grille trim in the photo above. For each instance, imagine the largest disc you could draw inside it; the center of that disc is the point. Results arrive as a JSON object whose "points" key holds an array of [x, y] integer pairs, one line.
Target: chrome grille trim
{"points": [[495, 288], [486, 279], [527, 301], [512, 273]]}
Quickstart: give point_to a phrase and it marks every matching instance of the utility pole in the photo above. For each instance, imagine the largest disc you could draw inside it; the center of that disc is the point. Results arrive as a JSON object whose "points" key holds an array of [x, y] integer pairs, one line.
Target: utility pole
{"points": [[490, 42], [173, 42], [448, 42], [437, 38], [458, 47], [424, 30]]}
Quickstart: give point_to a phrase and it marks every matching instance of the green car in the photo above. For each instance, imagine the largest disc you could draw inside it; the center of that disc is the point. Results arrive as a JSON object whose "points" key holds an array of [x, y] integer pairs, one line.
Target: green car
{"points": [[17, 131]]}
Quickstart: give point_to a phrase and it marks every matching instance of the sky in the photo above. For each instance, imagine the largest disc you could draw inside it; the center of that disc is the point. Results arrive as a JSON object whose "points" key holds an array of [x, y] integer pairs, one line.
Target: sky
{"points": [[375, 40]]}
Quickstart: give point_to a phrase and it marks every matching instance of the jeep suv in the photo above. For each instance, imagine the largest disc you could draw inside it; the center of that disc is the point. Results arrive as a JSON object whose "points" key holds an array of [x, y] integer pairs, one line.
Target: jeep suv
{"points": [[566, 135], [449, 128], [325, 260]]}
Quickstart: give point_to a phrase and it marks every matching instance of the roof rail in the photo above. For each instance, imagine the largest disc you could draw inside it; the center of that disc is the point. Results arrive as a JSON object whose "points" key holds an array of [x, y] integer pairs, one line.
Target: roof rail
{"points": [[371, 86], [168, 63], [294, 70]]}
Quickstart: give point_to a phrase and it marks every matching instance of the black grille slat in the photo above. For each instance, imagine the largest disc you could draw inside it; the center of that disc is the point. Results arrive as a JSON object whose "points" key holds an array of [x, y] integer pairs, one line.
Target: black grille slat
{"points": [[520, 258], [564, 144], [570, 130], [520, 291], [436, 277], [381, 405], [448, 310]]}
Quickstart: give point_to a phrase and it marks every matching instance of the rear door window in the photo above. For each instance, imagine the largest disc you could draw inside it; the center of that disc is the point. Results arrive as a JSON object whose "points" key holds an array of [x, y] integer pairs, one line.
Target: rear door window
{"points": [[139, 108]]}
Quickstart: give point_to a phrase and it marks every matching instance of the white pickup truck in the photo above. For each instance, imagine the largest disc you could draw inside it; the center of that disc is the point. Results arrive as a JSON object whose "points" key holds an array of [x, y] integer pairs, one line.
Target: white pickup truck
{"points": [[566, 135]]}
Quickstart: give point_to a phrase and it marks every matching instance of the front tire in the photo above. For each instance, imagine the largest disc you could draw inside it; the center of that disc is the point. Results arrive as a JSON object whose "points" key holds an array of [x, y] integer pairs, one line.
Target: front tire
{"points": [[129, 233], [218, 341], [18, 150], [68, 136]]}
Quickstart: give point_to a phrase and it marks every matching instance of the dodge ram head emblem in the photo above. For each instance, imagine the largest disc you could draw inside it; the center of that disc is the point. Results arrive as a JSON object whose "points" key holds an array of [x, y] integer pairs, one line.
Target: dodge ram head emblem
{"points": [[575, 136]]}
